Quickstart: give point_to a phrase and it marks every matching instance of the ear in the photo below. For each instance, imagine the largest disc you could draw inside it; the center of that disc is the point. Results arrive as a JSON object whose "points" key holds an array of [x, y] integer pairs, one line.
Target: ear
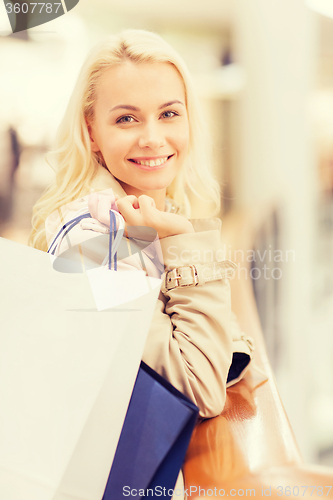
{"points": [[93, 143]]}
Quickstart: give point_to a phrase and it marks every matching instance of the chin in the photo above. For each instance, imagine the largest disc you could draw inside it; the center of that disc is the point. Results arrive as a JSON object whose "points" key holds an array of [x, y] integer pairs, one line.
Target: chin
{"points": [[153, 184], [144, 184]]}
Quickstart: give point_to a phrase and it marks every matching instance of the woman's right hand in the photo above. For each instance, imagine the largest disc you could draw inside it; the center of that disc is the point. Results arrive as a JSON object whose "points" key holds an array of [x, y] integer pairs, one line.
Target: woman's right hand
{"points": [[142, 211]]}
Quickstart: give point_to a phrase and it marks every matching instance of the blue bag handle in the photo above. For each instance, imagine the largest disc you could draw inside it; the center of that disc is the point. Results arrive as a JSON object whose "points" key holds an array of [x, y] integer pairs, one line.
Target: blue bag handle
{"points": [[73, 222]]}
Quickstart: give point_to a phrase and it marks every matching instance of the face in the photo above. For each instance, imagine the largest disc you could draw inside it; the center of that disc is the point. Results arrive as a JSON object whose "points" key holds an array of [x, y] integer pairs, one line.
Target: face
{"points": [[140, 125]]}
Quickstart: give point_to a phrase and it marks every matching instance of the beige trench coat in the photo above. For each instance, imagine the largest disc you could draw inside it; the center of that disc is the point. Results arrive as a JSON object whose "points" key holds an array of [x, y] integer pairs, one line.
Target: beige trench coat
{"points": [[194, 340]]}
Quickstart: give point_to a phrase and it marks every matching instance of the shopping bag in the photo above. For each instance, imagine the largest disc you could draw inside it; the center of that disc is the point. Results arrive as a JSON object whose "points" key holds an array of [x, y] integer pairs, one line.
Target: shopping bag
{"points": [[153, 441], [66, 376], [100, 256], [110, 287]]}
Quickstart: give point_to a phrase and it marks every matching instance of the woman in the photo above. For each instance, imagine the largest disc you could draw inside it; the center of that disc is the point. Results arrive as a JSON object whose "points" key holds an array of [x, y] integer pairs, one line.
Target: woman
{"points": [[133, 125]]}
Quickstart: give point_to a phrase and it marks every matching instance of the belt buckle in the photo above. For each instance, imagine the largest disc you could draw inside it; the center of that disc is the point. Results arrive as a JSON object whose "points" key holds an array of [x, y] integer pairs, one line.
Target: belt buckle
{"points": [[169, 278], [178, 277], [194, 276]]}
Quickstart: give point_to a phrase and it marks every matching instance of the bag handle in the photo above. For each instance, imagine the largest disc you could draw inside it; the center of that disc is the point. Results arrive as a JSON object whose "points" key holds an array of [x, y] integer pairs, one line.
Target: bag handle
{"points": [[115, 235]]}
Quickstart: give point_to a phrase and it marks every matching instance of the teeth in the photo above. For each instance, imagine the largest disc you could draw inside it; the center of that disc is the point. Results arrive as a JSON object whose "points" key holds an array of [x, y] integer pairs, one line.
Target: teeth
{"points": [[152, 163]]}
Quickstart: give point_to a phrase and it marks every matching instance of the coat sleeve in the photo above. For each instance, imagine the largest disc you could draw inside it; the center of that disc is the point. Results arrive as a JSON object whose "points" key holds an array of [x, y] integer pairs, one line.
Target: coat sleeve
{"points": [[190, 340]]}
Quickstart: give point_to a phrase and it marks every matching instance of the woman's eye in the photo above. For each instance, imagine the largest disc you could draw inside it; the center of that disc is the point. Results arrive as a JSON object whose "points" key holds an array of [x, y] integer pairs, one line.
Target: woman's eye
{"points": [[125, 119], [169, 113]]}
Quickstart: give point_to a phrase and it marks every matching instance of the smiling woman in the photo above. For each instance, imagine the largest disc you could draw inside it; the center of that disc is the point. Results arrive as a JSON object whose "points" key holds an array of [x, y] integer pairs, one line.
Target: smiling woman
{"points": [[147, 147], [139, 61], [133, 125]]}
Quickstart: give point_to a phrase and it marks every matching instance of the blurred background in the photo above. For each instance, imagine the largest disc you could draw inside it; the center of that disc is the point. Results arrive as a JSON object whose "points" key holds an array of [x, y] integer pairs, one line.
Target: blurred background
{"points": [[264, 72]]}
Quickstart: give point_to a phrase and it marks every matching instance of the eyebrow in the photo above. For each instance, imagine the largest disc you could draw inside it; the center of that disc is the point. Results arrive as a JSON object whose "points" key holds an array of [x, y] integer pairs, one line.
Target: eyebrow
{"points": [[134, 108]]}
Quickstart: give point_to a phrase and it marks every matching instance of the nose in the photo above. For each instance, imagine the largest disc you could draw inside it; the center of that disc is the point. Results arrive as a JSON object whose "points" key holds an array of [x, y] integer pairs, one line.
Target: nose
{"points": [[152, 136]]}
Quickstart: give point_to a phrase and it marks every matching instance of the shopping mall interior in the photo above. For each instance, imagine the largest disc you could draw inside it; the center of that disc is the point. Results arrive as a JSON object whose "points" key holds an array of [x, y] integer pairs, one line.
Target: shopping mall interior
{"points": [[264, 73]]}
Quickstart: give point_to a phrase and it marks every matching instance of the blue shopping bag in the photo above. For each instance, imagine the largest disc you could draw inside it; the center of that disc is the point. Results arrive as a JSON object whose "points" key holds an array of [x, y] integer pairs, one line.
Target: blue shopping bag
{"points": [[154, 439]]}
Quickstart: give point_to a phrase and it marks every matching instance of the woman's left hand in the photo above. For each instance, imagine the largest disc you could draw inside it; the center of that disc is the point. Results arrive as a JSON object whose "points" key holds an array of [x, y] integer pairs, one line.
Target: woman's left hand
{"points": [[99, 205]]}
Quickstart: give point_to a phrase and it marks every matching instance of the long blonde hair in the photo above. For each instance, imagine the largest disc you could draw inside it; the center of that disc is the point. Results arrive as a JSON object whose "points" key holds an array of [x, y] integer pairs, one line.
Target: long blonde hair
{"points": [[75, 163]]}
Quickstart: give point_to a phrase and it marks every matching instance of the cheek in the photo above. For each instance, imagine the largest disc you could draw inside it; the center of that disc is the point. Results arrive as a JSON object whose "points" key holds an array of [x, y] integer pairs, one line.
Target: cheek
{"points": [[117, 145], [182, 136], [183, 142]]}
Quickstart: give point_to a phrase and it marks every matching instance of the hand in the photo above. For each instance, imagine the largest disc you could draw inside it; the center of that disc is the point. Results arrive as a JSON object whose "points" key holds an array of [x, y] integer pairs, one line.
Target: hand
{"points": [[142, 211], [99, 205]]}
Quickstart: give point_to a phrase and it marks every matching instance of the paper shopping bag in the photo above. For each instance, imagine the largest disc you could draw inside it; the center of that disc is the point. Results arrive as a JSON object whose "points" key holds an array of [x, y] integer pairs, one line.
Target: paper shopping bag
{"points": [[107, 289], [66, 376], [153, 441]]}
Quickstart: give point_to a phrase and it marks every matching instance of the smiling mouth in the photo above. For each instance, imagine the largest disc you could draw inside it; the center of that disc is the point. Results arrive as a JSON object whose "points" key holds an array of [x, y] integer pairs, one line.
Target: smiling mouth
{"points": [[151, 163]]}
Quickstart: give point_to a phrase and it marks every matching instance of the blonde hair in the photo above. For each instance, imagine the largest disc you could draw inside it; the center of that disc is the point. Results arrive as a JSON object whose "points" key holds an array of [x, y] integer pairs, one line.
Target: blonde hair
{"points": [[75, 163]]}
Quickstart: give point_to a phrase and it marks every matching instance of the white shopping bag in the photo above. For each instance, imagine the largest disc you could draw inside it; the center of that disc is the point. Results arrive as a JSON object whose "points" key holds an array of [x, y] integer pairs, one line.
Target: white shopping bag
{"points": [[66, 377], [112, 288]]}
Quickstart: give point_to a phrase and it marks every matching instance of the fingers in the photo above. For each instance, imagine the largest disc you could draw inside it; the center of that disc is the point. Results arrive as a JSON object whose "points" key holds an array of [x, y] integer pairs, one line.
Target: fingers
{"points": [[148, 210], [100, 204], [104, 208], [146, 202], [93, 204], [140, 211], [94, 225], [128, 206], [110, 194], [99, 227]]}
